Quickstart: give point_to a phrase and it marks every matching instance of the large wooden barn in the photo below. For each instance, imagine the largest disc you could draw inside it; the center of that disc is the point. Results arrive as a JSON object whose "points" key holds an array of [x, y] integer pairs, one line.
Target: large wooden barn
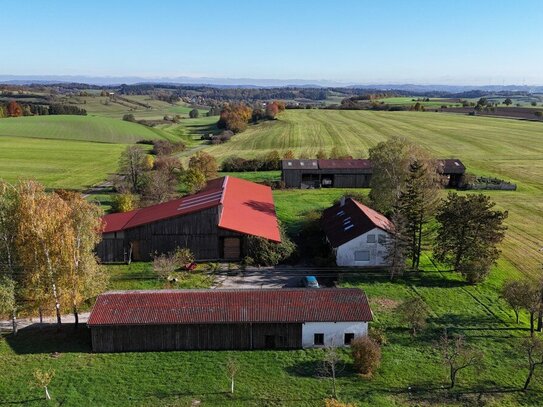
{"points": [[354, 173], [162, 320], [213, 224]]}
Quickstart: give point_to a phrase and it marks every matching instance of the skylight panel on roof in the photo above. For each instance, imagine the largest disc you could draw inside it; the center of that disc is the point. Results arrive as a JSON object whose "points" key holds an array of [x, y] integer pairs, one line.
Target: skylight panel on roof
{"points": [[341, 213], [349, 227]]}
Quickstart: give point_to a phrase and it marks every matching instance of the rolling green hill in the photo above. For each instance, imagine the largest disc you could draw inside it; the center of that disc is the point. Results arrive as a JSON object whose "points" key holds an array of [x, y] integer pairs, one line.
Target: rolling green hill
{"points": [[85, 128]]}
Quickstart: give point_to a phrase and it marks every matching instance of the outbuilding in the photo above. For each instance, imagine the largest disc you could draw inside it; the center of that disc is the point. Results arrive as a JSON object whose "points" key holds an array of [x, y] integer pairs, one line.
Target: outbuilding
{"points": [[162, 320], [213, 224], [351, 173], [358, 234]]}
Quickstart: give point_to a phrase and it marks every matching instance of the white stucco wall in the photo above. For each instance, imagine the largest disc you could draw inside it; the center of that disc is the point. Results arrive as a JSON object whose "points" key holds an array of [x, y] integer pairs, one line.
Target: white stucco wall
{"points": [[334, 332], [345, 252]]}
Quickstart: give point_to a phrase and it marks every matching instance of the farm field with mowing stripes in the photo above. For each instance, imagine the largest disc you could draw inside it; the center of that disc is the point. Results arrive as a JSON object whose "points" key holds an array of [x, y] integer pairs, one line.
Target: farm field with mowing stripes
{"points": [[505, 148]]}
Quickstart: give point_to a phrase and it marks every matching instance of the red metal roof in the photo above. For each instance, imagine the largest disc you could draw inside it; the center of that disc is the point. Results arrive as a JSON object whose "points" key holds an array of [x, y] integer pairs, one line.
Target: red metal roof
{"points": [[343, 223], [160, 307], [345, 164], [247, 208]]}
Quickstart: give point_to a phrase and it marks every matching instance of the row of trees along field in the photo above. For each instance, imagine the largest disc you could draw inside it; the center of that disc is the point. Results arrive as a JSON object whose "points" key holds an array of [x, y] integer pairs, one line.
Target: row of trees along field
{"points": [[15, 109], [405, 186], [47, 245]]}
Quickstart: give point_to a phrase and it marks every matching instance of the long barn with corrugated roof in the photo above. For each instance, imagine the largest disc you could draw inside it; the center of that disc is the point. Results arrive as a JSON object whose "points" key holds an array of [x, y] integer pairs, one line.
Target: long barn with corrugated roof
{"points": [[351, 173], [213, 224], [161, 320]]}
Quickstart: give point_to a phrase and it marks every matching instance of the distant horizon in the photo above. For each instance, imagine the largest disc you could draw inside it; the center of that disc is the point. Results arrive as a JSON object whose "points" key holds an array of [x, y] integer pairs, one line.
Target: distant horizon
{"points": [[113, 80]]}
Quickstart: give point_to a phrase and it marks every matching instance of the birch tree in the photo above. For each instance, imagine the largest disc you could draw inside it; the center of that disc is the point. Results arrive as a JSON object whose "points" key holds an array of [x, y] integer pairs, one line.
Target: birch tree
{"points": [[44, 231], [83, 278], [232, 369], [8, 258], [43, 379]]}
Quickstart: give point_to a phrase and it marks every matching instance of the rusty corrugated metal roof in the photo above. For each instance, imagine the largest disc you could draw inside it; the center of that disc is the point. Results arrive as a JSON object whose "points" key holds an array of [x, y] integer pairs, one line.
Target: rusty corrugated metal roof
{"points": [[285, 305]]}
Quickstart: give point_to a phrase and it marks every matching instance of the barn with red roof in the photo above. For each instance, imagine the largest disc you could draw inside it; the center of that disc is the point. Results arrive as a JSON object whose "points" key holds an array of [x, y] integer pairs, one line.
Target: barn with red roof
{"points": [[283, 318], [357, 233], [213, 223]]}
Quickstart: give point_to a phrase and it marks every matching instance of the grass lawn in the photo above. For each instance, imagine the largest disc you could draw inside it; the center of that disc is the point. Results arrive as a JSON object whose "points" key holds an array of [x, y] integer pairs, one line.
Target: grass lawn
{"points": [[288, 378]]}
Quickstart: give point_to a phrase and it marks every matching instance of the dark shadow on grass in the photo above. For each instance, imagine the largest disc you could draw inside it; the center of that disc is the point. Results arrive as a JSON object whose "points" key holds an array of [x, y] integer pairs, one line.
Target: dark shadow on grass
{"points": [[36, 340], [312, 368], [429, 279], [15, 402]]}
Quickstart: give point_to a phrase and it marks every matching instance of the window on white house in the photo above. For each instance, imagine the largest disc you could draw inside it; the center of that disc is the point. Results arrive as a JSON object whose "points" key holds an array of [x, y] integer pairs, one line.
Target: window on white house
{"points": [[318, 339], [371, 238], [348, 338], [382, 239], [362, 255]]}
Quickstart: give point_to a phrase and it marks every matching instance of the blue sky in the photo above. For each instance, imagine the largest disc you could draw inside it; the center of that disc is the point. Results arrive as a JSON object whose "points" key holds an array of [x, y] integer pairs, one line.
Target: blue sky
{"points": [[386, 41]]}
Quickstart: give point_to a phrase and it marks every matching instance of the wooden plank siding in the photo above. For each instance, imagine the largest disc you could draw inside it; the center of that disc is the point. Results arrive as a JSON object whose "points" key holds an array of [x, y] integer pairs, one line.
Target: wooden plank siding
{"points": [[197, 231], [342, 178], [134, 338]]}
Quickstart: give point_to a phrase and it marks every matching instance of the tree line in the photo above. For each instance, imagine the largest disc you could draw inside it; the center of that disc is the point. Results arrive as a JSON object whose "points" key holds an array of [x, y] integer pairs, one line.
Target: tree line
{"points": [[237, 116], [15, 109], [47, 250]]}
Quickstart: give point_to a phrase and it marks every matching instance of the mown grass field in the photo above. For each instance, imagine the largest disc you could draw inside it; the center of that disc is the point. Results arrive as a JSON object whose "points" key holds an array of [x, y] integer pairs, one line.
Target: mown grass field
{"points": [[509, 149], [66, 151], [83, 128]]}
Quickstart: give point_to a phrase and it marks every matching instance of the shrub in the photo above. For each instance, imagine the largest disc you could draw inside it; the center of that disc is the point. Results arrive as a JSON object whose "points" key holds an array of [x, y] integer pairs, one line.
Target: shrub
{"points": [[267, 253], [165, 147], [183, 256], [129, 117], [378, 335], [336, 403], [366, 355], [193, 114], [539, 114], [164, 265], [124, 203], [205, 163], [194, 179], [149, 162]]}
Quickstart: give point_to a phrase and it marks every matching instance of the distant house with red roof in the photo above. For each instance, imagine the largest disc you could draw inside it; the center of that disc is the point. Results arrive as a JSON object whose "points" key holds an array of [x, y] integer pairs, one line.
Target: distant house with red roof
{"points": [[357, 233], [213, 224]]}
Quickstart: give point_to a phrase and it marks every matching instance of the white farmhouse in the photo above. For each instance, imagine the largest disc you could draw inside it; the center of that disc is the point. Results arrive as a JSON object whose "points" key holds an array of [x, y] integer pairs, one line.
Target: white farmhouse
{"points": [[357, 233]]}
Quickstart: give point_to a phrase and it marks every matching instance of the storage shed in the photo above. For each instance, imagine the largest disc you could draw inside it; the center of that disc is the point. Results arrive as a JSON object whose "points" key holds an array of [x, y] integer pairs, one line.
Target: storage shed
{"points": [[358, 234], [163, 320], [350, 173], [213, 224]]}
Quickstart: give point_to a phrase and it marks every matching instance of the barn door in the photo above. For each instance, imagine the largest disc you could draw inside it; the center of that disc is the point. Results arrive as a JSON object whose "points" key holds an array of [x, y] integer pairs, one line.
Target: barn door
{"points": [[232, 248], [135, 250]]}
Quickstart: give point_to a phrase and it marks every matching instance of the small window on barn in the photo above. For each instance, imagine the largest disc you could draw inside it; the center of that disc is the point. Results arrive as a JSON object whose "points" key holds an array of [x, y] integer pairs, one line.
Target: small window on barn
{"points": [[382, 239], [348, 338], [318, 339], [289, 163], [362, 255], [371, 238]]}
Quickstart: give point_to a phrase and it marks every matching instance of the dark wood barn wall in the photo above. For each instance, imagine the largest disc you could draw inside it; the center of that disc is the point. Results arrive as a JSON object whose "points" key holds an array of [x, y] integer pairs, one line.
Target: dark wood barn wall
{"points": [[197, 231], [346, 178], [196, 337]]}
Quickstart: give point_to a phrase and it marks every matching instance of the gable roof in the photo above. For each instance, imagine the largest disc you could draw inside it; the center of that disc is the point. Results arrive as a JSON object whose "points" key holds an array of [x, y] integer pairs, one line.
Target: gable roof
{"points": [[158, 307], [343, 223], [451, 166], [299, 164], [247, 208], [358, 164]]}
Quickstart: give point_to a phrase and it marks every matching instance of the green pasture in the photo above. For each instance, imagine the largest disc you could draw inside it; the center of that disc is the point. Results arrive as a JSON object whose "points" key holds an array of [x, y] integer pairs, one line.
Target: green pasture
{"points": [[85, 128]]}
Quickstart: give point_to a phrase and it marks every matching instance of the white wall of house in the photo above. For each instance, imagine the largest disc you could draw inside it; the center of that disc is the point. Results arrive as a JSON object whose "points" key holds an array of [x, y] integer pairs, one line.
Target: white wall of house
{"points": [[365, 250], [334, 332]]}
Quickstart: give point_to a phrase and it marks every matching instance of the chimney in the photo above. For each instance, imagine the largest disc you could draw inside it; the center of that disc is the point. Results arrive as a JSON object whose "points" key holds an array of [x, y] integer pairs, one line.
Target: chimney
{"points": [[342, 201]]}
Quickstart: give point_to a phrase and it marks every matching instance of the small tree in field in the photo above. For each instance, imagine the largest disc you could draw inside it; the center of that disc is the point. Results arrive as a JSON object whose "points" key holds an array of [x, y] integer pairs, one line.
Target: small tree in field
{"points": [[194, 179], [513, 292], [193, 114], [534, 351], [366, 353], [42, 379], [414, 313], [232, 369], [331, 366], [458, 355]]}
